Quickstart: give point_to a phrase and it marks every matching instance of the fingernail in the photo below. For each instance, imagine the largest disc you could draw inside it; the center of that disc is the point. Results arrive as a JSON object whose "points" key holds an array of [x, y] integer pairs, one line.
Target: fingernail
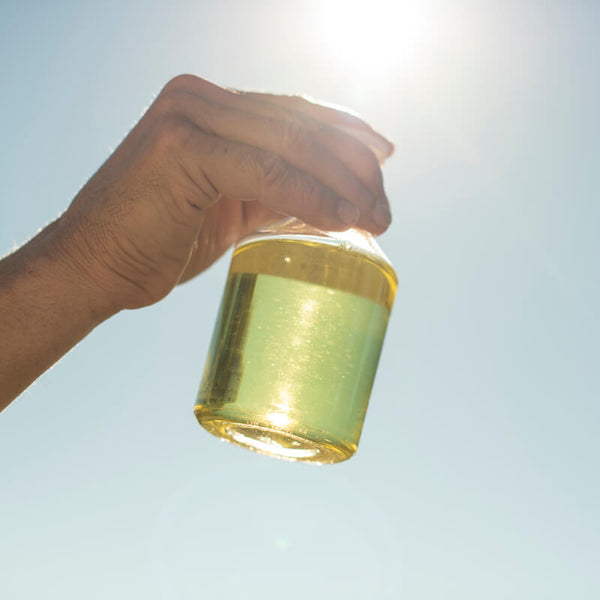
{"points": [[348, 213], [382, 215]]}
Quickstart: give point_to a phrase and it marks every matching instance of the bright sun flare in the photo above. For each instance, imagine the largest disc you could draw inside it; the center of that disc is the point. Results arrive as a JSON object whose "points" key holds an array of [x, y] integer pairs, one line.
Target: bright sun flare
{"points": [[373, 36]]}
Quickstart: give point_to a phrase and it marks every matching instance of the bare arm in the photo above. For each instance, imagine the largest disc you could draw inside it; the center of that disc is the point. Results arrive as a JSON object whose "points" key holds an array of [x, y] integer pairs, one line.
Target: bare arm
{"points": [[45, 309], [204, 166]]}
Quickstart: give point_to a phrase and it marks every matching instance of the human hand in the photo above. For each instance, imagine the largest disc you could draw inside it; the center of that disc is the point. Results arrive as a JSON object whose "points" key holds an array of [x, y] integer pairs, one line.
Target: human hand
{"points": [[206, 165]]}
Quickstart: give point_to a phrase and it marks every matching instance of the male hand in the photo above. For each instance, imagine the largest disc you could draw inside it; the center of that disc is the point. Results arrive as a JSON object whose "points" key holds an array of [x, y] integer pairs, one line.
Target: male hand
{"points": [[206, 165]]}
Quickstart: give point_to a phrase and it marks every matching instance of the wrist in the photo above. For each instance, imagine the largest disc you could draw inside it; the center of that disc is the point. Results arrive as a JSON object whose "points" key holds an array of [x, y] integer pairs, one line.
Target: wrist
{"points": [[61, 269]]}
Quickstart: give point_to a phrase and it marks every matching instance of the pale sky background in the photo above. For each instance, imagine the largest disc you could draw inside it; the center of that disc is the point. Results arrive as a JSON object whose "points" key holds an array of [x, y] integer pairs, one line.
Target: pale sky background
{"points": [[477, 472]]}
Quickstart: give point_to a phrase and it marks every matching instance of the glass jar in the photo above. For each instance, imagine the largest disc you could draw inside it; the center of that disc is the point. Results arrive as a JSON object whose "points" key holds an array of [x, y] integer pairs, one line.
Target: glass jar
{"points": [[297, 341]]}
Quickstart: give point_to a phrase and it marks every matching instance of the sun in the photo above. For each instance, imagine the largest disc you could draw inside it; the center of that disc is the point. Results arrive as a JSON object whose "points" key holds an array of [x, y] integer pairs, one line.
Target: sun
{"points": [[374, 36]]}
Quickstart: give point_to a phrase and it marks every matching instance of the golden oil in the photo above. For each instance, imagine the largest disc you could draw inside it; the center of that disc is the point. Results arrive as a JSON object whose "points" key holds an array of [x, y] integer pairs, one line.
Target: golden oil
{"points": [[296, 346]]}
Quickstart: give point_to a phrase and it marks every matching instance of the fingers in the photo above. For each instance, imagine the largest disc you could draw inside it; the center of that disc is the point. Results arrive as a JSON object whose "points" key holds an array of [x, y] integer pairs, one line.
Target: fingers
{"points": [[339, 117], [329, 162], [302, 144], [351, 140], [352, 136], [242, 172]]}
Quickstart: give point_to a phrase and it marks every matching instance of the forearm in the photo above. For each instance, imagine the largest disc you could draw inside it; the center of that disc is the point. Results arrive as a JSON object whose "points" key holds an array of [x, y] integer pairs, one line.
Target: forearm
{"points": [[46, 307]]}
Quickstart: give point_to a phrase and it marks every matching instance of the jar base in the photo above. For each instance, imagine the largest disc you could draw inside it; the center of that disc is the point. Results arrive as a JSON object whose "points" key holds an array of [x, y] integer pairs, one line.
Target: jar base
{"points": [[273, 442]]}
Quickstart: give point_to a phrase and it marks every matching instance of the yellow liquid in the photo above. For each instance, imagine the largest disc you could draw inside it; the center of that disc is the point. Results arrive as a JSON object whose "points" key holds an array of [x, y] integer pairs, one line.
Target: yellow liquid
{"points": [[295, 349]]}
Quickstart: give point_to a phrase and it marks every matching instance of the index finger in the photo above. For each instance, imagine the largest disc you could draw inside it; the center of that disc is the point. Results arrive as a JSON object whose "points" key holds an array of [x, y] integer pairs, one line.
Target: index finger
{"points": [[338, 116]]}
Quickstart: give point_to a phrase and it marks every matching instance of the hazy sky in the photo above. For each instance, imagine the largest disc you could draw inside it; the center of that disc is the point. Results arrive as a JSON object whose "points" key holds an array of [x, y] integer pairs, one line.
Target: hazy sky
{"points": [[477, 472]]}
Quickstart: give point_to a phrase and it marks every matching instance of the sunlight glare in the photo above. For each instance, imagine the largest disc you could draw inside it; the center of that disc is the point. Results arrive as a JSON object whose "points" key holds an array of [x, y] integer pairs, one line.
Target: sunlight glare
{"points": [[373, 37], [279, 419]]}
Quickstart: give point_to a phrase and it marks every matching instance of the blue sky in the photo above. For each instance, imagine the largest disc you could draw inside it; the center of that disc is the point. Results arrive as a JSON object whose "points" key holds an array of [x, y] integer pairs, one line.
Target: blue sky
{"points": [[476, 474]]}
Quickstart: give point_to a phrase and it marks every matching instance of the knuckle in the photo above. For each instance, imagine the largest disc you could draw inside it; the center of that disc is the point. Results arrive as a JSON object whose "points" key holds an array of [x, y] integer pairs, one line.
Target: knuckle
{"points": [[181, 82], [318, 127], [294, 138], [297, 101], [167, 102], [272, 170], [172, 134]]}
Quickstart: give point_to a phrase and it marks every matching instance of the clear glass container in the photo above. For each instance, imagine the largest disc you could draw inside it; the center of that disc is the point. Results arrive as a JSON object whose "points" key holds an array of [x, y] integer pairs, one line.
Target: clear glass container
{"points": [[297, 342]]}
